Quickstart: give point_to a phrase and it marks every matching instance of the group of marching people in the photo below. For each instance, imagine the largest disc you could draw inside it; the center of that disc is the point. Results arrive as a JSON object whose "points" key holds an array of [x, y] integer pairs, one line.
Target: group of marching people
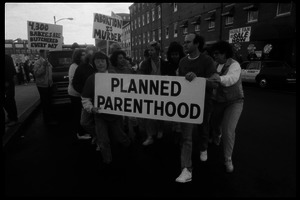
{"points": [[223, 98]]}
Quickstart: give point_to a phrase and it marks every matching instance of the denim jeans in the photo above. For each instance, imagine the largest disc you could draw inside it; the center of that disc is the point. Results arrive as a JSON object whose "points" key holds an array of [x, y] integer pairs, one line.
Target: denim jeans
{"points": [[87, 122], [103, 129], [225, 118], [186, 145]]}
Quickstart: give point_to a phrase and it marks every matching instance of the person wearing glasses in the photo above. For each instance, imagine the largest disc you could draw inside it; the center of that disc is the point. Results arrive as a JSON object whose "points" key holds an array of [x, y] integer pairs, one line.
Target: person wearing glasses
{"points": [[229, 98], [195, 64]]}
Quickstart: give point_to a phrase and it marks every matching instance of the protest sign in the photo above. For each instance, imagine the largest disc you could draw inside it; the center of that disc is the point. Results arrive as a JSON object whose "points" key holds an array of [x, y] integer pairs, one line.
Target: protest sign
{"points": [[44, 36], [168, 98], [107, 28], [240, 35]]}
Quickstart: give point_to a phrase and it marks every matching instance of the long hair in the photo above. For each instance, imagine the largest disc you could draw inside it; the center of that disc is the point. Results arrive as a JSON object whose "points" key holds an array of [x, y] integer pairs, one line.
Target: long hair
{"points": [[175, 47], [76, 57], [114, 57]]}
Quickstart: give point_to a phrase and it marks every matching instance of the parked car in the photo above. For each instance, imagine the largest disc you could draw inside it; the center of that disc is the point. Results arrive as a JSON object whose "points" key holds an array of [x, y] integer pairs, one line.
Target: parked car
{"points": [[267, 72], [61, 61]]}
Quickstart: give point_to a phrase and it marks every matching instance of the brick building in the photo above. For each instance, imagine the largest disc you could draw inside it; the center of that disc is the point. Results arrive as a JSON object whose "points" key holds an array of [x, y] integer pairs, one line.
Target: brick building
{"points": [[268, 23]]}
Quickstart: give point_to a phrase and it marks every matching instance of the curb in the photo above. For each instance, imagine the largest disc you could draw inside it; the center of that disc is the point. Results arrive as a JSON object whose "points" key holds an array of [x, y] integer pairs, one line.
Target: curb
{"points": [[11, 131]]}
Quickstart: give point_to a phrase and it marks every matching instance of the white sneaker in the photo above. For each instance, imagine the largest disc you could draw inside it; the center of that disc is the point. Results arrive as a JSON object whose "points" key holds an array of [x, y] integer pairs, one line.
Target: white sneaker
{"points": [[84, 137], [159, 135], [203, 155], [185, 176], [229, 165], [148, 141]]}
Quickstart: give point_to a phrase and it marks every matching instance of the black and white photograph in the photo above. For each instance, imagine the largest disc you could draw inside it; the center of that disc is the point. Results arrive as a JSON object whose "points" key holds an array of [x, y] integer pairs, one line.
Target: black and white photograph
{"points": [[150, 100]]}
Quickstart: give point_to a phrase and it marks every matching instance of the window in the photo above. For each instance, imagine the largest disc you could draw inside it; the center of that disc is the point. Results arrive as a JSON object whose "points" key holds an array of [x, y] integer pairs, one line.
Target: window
{"points": [[153, 35], [139, 19], [143, 19], [140, 39], [185, 30], [175, 7], [211, 24], [144, 38], [132, 25], [284, 8], [132, 41], [148, 17], [158, 12], [153, 14], [228, 20], [167, 32], [254, 65], [252, 15], [175, 29], [135, 26], [197, 27], [159, 34], [148, 38], [136, 40]]}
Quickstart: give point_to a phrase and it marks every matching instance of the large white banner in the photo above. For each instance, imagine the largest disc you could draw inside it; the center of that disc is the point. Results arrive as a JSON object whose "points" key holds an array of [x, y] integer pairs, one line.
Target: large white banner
{"points": [[168, 98], [107, 28], [240, 34], [44, 36]]}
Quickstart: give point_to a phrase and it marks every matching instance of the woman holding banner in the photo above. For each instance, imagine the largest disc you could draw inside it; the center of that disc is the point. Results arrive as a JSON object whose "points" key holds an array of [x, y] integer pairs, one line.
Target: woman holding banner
{"points": [[103, 122]]}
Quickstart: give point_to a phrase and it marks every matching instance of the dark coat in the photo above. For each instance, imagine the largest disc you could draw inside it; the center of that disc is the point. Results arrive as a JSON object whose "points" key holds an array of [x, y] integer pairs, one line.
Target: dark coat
{"points": [[165, 69], [81, 74]]}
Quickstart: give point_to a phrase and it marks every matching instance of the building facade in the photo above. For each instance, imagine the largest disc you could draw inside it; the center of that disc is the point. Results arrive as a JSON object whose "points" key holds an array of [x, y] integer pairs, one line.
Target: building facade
{"points": [[126, 44], [246, 25]]}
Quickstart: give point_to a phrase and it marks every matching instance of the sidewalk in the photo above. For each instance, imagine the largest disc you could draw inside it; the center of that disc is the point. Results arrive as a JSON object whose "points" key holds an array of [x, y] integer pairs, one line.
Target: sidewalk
{"points": [[27, 99]]}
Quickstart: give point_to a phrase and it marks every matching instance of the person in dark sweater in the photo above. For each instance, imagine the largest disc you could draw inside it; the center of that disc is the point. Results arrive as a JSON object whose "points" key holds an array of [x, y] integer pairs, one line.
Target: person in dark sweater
{"points": [[105, 124], [84, 70], [195, 64]]}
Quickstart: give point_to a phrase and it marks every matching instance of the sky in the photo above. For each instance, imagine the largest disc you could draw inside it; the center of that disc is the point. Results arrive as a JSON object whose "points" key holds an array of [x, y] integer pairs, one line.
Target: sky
{"points": [[77, 30]]}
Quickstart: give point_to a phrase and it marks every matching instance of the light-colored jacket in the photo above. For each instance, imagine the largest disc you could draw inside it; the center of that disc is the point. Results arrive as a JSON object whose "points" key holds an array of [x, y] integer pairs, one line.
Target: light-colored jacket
{"points": [[42, 73], [71, 90]]}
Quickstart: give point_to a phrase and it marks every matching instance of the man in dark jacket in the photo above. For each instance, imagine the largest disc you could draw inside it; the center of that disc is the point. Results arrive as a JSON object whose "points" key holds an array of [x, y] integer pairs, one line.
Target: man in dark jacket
{"points": [[10, 103], [84, 70]]}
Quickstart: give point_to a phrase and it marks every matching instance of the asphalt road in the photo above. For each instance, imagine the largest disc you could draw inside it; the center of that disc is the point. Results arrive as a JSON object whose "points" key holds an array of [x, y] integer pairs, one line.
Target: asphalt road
{"points": [[51, 162]]}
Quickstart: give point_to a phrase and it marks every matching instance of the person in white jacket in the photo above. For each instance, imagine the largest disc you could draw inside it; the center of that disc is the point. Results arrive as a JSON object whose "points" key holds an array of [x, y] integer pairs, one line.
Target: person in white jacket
{"points": [[228, 97]]}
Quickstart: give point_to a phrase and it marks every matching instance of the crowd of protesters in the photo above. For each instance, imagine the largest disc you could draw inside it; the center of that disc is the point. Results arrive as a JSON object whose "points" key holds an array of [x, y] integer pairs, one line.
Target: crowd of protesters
{"points": [[223, 103], [222, 108]]}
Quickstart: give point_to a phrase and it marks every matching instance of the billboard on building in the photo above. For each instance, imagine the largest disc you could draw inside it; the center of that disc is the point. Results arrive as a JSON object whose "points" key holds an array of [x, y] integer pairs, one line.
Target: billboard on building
{"points": [[240, 34]]}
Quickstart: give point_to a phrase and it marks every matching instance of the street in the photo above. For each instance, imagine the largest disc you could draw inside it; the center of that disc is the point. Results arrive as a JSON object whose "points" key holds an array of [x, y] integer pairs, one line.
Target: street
{"points": [[51, 162]]}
